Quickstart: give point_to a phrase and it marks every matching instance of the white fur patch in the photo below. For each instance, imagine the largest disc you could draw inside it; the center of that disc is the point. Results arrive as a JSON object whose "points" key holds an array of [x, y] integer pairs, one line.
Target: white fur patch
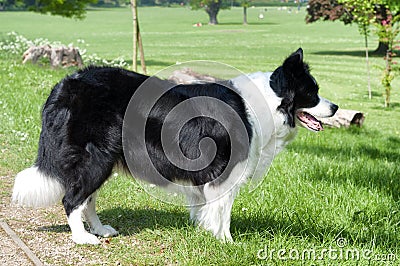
{"points": [[270, 133], [215, 216], [79, 234], [34, 189], [96, 227], [322, 109]]}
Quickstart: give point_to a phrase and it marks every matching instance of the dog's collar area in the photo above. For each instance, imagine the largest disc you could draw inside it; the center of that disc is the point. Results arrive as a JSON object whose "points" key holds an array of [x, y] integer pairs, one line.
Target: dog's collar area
{"points": [[309, 121]]}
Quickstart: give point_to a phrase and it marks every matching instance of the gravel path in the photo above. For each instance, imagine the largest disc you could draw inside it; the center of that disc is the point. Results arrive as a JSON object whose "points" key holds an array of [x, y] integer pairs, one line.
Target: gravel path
{"points": [[11, 254], [43, 231]]}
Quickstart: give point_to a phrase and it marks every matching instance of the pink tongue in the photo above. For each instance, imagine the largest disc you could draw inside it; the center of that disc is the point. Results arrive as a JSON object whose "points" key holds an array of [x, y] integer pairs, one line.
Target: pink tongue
{"points": [[310, 121]]}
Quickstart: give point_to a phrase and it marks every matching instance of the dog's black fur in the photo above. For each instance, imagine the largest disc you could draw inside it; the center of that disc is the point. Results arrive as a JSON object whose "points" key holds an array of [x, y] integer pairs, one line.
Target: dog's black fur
{"points": [[81, 141]]}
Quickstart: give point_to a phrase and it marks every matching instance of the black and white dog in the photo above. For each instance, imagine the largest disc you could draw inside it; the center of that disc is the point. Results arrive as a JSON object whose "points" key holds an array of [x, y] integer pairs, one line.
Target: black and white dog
{"points": [[83, 123]]}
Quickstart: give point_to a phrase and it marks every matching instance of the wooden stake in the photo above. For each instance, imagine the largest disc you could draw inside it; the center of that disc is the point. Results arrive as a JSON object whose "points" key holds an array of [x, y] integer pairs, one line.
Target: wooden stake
{"points": [[135, 34], [142, 62], [137, 40]]}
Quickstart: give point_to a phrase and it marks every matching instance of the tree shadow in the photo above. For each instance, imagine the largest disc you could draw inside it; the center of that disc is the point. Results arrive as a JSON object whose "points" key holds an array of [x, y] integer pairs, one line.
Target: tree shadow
{"points": [[150, 62], [364, 176], [356, 53], [305, 226], [394, 140], [258, 23], [376, 94], [392, 106], [333, 152]]}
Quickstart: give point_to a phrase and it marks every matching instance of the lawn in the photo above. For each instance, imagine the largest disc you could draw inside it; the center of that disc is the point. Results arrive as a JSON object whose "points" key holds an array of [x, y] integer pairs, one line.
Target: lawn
{"points": [[335, 190]]}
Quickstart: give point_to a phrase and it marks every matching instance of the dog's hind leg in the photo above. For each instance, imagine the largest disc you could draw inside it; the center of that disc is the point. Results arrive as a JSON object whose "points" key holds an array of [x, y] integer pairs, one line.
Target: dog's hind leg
{"points": [[79, 233], [87, 176], [215, 215], [195, 198], [209, 211], [96, 227]]}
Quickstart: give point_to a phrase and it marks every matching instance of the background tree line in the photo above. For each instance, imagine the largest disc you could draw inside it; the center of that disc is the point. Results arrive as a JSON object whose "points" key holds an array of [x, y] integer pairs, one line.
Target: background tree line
{"points": [[25, 4], [76, 8]]}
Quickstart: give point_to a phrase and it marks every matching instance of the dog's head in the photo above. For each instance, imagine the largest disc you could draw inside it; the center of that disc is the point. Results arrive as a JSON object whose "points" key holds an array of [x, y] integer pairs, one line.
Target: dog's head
{"points": [[299, 92]]}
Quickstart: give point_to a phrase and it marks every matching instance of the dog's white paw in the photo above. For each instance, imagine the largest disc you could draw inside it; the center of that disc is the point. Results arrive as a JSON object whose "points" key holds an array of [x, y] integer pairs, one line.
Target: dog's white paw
{"points": [[104, 231], [85, 238], [224, 236]]}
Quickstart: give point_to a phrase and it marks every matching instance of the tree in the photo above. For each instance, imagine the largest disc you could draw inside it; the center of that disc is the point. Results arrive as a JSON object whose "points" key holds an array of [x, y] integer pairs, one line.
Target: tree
{"points": [[64, 8], [211, 7], [362, 12], [354, 11], [388, 31], [383, 14], [245, 4], [327, 10]]}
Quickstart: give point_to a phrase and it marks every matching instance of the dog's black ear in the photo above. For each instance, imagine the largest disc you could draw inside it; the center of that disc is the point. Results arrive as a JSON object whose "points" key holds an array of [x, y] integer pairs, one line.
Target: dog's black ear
{"points": [[287, 108], [294, 63]]}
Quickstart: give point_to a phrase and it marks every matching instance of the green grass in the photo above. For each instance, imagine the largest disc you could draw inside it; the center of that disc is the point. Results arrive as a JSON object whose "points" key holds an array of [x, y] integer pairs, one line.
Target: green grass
{"points": [[340, 183]]}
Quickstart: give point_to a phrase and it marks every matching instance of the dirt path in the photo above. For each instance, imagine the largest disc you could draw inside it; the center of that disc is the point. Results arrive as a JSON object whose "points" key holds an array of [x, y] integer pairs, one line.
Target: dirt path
{"points": [[11, 254], [43, 231]]}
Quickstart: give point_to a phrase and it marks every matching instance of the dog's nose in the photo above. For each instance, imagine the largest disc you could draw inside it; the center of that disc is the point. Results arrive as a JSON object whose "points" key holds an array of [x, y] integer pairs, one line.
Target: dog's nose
{"points": [[334, 108]]}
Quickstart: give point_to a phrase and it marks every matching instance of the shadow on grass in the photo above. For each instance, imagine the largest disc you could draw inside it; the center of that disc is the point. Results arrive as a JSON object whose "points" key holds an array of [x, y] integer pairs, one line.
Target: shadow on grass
{"points": [[150, 63], [362, 228], [366, 150], [133, 221], [59, 228], [392, 106], [259, 23], [369, 160], [357, 53], [376, 94]]}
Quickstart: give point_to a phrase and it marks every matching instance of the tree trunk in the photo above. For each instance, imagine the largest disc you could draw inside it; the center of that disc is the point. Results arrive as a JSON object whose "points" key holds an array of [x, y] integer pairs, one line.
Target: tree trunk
{"points": [[212, 11], [245, 15], [213, 17], [387, 79], [382, 49], [368, 68]]}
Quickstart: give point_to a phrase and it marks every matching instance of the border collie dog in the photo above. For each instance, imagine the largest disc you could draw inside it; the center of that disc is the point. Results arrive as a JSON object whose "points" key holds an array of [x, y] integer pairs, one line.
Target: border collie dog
{"points": [[82, 139]]}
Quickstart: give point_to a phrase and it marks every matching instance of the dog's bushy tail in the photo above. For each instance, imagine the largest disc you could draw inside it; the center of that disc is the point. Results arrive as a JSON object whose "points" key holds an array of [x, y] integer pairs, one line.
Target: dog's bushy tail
{"points": [[32, 188]]}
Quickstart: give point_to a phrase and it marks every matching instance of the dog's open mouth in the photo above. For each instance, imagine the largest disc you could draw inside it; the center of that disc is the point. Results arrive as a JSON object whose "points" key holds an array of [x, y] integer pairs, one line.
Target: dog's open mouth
{"points": [[309, 121]]}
